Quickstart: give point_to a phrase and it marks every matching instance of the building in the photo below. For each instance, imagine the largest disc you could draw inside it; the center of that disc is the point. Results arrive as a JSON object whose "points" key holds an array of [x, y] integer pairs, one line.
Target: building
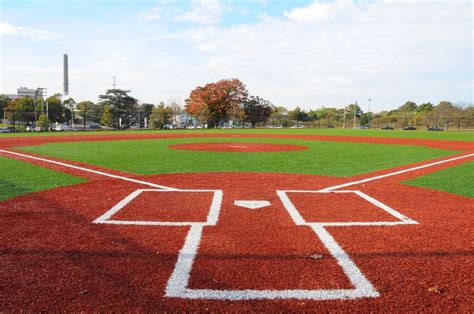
{"points": [[39, 93], [25, 92]]}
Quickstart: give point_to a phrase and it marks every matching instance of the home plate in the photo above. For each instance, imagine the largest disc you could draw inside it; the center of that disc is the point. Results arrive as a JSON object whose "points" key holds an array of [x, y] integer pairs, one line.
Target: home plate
{"points": [[252, 204]]}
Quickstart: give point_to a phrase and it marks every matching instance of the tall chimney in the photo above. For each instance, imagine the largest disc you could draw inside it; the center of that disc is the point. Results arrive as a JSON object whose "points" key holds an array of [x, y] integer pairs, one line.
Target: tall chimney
{"points": [[66, 75]]}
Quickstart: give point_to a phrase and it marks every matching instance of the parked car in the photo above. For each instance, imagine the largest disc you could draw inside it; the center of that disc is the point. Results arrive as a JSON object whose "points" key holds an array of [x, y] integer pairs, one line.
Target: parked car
{"points": [[435, 128], [362, 127], [30, 128], [409, 128], [297, 127], [331, 126], [387, 127], [5, 130], [61, 127], [93, 125]]}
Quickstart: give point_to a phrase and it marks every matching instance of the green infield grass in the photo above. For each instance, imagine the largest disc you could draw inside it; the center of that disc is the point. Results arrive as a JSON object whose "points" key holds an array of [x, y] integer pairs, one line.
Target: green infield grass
{"points": [[421, 134], [322, 158], [18, 178], [458, 180]]}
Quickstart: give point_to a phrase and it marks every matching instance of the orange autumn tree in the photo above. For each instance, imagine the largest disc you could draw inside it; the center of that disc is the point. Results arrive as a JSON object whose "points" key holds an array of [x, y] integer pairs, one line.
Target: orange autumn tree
{"points": [[216, 101]]}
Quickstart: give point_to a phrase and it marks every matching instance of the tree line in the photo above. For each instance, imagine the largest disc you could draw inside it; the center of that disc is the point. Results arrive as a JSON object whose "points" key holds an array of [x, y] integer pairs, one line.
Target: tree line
{"points": [[223, 103]]}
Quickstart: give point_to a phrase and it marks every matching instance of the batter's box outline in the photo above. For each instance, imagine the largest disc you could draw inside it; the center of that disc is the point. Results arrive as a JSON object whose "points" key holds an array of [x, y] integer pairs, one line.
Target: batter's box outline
{"points": [[177, 285], [211, 219], [300, 221]]}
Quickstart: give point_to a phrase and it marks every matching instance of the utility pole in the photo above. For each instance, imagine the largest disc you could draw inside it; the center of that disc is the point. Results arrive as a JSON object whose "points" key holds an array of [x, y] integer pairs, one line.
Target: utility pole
{"points": [[344, 119], [113, 84], [34, 106], [355, 111]]}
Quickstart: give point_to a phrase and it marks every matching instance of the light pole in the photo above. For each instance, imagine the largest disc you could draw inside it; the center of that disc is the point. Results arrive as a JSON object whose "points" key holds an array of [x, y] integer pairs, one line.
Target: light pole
{"points": [[370, 116], [344, 119]]}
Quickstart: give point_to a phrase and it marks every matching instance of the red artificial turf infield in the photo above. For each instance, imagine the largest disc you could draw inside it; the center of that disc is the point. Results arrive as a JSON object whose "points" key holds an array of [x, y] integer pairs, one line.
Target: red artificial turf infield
{"points": [[53, 257], [235, 147], [167, 206], [337, 207]]}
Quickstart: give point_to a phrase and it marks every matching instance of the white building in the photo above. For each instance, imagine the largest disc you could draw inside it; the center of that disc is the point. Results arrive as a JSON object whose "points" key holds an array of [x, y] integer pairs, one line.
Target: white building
{"points": [[25, 92]]}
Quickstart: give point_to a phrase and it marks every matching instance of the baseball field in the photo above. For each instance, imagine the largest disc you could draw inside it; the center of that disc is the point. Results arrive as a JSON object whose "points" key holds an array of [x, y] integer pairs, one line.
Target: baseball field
{"points": [[237, 220]]}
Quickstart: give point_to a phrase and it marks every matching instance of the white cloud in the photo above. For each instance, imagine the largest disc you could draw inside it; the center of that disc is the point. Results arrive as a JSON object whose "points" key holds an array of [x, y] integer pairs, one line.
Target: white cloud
{"points": [[333, 53], [7, 28], [205, 12], [165, 37], [151, 14], [322, 11]]}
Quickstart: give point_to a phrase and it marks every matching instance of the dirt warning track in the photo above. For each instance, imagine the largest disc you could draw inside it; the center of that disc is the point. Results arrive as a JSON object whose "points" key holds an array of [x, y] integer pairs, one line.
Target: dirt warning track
{"points": [[214, 242]]}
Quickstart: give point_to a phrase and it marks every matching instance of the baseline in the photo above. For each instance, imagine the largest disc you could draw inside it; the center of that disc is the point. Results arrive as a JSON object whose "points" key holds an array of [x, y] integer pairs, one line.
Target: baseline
{"points": [[335, 187], [105, 174]]}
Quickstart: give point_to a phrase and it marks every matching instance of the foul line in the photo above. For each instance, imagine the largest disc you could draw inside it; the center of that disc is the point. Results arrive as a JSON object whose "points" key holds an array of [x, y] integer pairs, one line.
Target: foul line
{"points": [[335, 187], [91, 171]]}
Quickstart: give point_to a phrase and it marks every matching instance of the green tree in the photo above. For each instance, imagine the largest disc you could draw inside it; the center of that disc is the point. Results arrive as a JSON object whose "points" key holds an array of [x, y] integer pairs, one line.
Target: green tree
{"points": [[366, 118], [24, 108], [421, 112], [444, 113], [43, 122], [279, 115], [83, 108], [4, 101], [121, 105], [161, 116], [70, 107], [298, 115], [144, 112], [354, 111], [407, 112], [331, 114], [256, 109], [106, 119], [317, 115], [55, 108]]}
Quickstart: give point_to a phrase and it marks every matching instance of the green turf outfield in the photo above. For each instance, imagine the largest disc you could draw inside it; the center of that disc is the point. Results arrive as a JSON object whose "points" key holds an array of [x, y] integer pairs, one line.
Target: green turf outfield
{"points": [[451, 135], [18, 178], [458, 180], [322, 157]]}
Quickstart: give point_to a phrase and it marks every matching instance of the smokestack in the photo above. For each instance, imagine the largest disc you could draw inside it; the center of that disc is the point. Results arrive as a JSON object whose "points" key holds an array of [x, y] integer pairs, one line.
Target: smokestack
{"points": [[66, 75]]}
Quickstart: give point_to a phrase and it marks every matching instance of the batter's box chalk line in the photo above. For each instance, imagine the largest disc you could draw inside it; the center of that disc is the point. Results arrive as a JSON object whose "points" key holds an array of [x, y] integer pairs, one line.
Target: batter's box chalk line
{"points": [[177, 286], [211, 219]]}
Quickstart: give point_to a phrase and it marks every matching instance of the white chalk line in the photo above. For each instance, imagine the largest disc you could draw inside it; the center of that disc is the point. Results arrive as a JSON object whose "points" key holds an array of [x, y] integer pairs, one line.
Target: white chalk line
{"points": [[105, 174], [335, 187], [211, 219]]}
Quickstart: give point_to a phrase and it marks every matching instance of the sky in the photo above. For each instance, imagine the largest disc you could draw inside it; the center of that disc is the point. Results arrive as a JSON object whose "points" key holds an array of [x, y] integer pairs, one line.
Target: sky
{"points": [[293, 53]]}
